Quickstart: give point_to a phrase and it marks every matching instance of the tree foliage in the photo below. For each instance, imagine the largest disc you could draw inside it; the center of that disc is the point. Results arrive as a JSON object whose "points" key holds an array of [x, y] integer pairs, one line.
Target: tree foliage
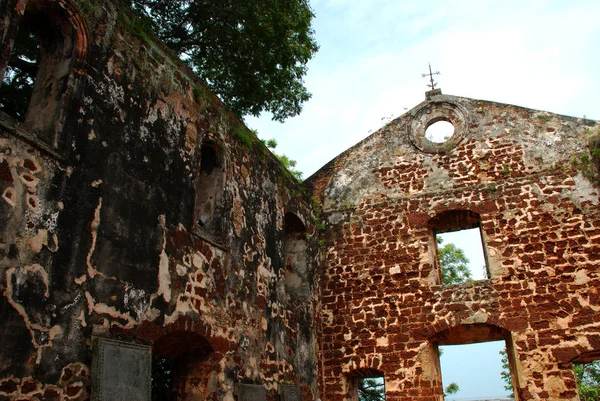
{"points": [[588, 381], [371, 389], [289, 164], [162, 377], [451, 388], [505, 373], [454, 265], [252, 53], [17, 84]]}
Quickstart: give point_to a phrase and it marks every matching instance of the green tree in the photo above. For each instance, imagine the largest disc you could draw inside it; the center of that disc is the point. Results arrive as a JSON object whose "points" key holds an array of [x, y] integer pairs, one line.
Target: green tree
{"points": [[451, 388], [505, 373], [162, 377], [252, 53], [454, 265], [371, 389], [288, 163], [588, 380], [18, 80]]}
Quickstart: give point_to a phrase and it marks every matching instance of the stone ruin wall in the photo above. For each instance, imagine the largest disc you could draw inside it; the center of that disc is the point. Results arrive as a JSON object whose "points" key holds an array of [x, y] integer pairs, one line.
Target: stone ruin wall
{"points": [[99, 233], [521, 171]]}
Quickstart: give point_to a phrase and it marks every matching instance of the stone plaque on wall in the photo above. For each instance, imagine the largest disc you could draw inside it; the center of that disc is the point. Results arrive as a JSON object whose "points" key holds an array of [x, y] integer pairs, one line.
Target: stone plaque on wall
{"points": [[250, 392], [121, 371], [290, 393]]}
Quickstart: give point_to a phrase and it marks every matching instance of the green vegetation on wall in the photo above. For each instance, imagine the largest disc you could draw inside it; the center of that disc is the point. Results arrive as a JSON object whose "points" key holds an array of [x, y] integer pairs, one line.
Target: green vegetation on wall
{"points": [[588, 162]]}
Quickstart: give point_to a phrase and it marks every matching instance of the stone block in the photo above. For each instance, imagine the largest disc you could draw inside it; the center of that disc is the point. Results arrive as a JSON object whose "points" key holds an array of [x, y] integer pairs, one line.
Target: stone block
{"points": [[121, 371], [290, 393], [250, 392]]}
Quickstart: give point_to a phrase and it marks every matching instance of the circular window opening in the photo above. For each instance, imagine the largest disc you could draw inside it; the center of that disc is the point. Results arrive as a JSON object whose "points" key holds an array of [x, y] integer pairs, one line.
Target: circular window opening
{"points": [[439, 131]]}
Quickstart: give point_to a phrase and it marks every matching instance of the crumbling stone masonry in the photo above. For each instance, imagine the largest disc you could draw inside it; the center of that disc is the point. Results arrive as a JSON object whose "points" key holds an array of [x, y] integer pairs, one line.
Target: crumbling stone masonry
{"points": [[136, 208], [527, 179]]}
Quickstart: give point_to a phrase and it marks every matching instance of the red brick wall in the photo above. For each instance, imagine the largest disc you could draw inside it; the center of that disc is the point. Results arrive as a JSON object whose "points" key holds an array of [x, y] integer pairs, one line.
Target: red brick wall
{"points": [[382, 306]]}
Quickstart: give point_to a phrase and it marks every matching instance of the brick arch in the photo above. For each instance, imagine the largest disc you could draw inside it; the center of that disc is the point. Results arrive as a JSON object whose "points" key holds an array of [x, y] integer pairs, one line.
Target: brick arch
{"points": [[479, 207], [365, 372], [294, 223], [186, 357], [177, 343], [72, 15], [183, 365], [576, 355], [63, 36], [453, 220], [150, 332], [445, 332], [77, 21]]}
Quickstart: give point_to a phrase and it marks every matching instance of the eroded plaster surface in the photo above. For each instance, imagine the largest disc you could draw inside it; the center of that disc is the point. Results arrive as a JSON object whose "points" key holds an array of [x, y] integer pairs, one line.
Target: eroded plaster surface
{"points": [[99, 236], [268, 281], [520, 172]]}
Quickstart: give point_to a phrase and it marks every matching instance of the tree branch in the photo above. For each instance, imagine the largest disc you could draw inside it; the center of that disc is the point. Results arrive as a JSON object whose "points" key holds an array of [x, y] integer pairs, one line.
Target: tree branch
{"points": [[28, 67]]}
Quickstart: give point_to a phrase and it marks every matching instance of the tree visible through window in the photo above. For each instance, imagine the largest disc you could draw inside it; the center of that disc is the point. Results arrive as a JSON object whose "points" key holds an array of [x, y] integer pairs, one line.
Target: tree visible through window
{"points": [[455, 265], [588, 380], [40, 74], [371, 389], [458, 247], [505, 373], [474, 371], [19, 77]]}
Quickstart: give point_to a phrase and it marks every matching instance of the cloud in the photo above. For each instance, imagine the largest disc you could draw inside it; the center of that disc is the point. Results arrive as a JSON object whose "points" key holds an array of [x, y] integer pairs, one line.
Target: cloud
{"points": [[541, 55]]}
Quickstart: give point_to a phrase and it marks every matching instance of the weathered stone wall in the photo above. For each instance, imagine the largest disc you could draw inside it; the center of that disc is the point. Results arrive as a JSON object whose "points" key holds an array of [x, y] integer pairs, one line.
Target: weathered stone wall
{"points": [[100, 232], [135, 206], [530, 178]]}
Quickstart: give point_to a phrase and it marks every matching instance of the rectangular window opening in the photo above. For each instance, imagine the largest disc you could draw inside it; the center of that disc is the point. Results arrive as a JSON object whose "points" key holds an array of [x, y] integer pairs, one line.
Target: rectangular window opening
{"points": [[478, 371], [461, 256], [588, 380], [371, 388]]}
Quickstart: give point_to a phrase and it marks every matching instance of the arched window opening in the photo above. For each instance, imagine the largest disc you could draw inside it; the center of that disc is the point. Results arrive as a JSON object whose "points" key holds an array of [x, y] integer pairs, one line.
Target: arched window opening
{"points": [[470, 355], [36, 81], [19, 77], [296, 263], [182, 367], [457, 241], [209, 183]]}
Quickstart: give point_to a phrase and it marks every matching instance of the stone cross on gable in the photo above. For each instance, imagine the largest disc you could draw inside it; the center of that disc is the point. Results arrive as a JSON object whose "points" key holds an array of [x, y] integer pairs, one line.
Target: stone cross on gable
{"points": [[431, 74]]}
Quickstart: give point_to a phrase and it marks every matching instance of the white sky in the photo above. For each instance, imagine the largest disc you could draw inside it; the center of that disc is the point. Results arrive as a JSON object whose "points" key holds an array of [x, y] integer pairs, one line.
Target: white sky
{"points": [[539, 54], [475, 368]]}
